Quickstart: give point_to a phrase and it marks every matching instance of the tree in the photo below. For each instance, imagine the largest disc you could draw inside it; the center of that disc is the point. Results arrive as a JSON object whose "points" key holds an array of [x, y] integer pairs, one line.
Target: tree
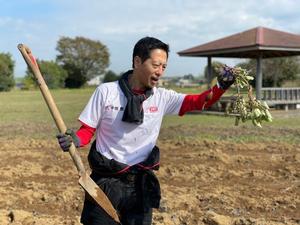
{"points": [[214, 65], [54, 75], [275, 70], [82, 58], [6, 72], [110, 76], [189, 77]]}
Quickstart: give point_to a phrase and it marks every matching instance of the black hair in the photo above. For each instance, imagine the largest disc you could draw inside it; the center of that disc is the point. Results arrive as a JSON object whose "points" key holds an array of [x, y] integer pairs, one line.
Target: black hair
{"points": [[144, 46]]}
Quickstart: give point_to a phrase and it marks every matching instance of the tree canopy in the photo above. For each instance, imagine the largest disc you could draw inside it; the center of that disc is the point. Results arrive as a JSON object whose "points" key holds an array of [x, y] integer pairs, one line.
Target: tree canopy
{"points": [[110, 76], [6, 72], [275, 70], [53, 74], [82, 58]]}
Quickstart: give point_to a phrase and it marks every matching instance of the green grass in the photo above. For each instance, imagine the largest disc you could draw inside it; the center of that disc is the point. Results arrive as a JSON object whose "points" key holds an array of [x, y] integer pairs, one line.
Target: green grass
{"points": [[191, 90], [225, 121], [218, 128], [29, 106], [27, 109]]}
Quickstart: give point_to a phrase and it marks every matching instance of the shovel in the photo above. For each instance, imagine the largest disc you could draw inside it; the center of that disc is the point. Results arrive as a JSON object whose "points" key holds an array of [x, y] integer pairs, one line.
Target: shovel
{"points": [[85, 181]]}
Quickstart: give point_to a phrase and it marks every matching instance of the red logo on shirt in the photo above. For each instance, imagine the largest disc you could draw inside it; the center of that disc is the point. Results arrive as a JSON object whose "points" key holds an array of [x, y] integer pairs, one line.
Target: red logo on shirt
{"points": [[153, 109]]}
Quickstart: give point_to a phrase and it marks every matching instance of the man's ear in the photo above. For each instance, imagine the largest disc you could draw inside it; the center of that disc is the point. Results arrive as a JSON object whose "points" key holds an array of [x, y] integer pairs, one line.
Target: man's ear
{"points": [[137, 61]]}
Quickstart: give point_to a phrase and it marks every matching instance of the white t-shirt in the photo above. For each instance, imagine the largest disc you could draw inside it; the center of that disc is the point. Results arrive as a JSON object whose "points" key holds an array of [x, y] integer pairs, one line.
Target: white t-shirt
{"points": [[125, 142]]}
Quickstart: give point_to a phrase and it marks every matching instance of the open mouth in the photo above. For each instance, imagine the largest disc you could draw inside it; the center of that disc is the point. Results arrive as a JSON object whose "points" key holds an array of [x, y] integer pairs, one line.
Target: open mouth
{"points": [[155, 79]]}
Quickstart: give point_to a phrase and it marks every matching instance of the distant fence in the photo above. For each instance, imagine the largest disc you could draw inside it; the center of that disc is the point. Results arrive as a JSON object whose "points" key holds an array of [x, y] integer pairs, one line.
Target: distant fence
{"points": [[281, 96], [278, 98]]}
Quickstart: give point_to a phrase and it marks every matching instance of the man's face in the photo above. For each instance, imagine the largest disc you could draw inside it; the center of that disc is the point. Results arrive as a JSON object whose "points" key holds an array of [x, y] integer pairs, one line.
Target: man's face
{"points": [[152, 69]]}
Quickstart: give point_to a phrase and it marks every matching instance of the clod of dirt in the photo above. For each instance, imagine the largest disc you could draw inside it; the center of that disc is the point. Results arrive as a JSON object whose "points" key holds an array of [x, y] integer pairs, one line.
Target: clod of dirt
{"points": [[11, 216], [212, 218]]}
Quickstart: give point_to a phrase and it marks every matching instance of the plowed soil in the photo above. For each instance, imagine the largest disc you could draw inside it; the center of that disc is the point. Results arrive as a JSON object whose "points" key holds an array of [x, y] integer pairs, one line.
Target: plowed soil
{"points": [[203, 181]]}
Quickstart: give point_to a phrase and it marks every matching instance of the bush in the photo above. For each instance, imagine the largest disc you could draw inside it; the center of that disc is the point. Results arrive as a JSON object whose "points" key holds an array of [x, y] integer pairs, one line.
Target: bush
{"points": [[7, 81], [54, 75]]}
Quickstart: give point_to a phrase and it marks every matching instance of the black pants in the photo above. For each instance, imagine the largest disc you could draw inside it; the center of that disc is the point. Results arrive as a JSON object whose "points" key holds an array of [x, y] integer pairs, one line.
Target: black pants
{"points": [[125, 195]]}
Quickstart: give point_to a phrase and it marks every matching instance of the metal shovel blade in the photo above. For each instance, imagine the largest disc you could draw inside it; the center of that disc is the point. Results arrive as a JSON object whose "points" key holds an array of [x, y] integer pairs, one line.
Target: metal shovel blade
{"points": [[97, 194]]}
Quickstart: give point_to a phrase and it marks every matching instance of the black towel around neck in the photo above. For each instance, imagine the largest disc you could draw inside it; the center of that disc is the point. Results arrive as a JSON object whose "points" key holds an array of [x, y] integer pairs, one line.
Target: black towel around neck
{"points": [[133, 112]]}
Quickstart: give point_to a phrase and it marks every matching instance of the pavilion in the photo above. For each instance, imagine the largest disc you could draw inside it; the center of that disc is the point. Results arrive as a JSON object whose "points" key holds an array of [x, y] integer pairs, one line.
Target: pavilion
{"points": [[258, 43]]}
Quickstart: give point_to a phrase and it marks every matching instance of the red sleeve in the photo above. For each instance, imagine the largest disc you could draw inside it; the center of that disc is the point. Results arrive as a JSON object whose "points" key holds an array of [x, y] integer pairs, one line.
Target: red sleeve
{"points": [[85, 134], [201, 101]]}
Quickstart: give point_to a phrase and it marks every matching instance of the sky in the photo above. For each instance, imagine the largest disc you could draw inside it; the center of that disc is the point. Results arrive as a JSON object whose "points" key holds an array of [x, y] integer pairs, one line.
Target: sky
{"points": [[119, 24]]}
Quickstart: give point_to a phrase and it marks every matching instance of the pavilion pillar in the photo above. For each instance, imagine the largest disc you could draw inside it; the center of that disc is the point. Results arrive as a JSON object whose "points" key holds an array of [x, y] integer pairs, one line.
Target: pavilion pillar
{"points": [[258, 83], [209, 72]]}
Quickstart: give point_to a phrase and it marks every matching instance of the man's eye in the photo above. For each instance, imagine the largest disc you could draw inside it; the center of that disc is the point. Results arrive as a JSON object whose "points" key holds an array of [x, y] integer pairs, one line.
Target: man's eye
{"points": [[156, 66]]}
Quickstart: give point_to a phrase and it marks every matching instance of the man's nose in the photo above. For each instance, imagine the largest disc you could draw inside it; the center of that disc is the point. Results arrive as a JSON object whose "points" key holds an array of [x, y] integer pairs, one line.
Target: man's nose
{"points": [[160, 70]]}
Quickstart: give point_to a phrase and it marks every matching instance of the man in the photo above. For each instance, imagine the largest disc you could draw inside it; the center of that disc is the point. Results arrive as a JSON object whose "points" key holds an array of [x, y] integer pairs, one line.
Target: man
{"points": [[126, 116]]}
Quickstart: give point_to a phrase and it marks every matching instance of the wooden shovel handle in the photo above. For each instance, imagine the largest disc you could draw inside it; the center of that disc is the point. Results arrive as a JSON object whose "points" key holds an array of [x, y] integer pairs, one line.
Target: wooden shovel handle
{"points": [[31, 62], [85, 181]]}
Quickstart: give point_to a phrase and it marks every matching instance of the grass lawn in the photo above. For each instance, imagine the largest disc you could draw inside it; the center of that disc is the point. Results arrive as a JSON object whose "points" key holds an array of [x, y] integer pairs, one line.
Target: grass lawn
{"points": [[28, 107]]}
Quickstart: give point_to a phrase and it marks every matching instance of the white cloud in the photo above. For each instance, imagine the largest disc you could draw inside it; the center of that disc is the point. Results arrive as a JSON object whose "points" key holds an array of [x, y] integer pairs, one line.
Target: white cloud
{"points": [[119, 24]]}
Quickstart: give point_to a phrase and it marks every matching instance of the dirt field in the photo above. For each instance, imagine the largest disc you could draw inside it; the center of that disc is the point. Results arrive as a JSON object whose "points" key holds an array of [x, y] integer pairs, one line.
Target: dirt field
{"points": [[209, 182]]}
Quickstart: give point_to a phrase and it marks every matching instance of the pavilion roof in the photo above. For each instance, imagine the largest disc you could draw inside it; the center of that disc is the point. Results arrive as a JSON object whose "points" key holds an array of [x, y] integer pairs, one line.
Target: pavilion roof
{"points": [[249, 44]]}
